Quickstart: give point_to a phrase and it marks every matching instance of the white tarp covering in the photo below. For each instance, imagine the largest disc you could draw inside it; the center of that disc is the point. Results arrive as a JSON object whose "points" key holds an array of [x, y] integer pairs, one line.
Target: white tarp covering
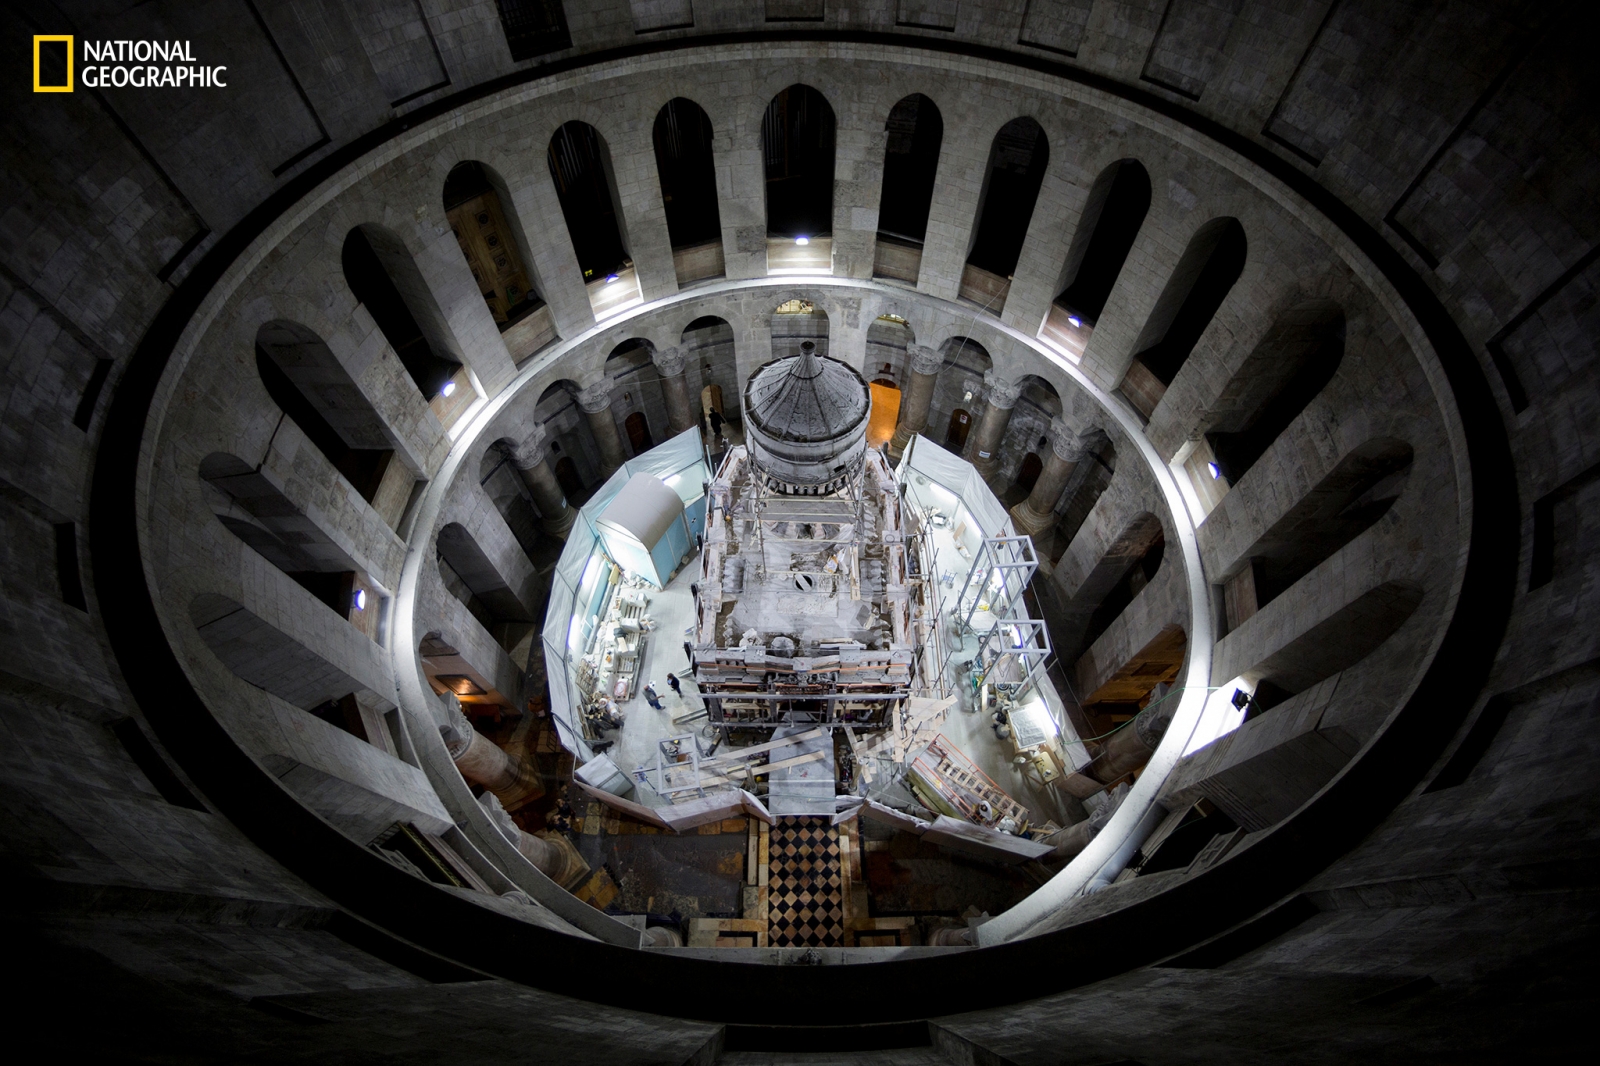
{"points": [[643, 528], [925, 458], [680, 464]]}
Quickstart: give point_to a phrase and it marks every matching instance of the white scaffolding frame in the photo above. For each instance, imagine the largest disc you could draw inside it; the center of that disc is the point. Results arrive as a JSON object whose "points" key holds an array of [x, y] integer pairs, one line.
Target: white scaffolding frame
{"points": [[1000, 571], [1026, 641]]}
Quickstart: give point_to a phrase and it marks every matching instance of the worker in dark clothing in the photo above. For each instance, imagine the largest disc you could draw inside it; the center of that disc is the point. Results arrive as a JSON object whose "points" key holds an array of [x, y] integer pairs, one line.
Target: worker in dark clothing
{"points": [[716, 422], [651, 697], [675, 685]]}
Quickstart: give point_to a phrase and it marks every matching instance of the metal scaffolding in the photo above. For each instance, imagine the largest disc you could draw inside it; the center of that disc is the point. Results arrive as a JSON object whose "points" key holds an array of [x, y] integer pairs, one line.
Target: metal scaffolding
{"points": [[1024, 643], [1000, 572]]}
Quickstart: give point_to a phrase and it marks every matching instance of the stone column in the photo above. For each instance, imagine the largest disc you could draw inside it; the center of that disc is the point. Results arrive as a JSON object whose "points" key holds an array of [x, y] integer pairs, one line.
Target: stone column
{"points": [[596, 403], [983, 449], [533, 464], [670, 362], [551, 853], [483, 762], [918, 397], [1037, 513]]}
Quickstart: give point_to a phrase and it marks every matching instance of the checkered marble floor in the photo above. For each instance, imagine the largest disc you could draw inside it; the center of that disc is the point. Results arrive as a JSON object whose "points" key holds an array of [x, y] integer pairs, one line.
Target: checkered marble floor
{"points": [[806, 895]]}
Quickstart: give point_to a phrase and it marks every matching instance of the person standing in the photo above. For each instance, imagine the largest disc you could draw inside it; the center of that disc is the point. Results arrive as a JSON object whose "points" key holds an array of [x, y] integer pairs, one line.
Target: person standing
{"points": [[651, 697], [716, 423], [675, 685]]}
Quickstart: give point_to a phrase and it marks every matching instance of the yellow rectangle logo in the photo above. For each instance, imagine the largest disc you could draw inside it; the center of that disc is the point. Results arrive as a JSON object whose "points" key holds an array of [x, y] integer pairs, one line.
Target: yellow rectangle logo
{"points": [[56, 85]]}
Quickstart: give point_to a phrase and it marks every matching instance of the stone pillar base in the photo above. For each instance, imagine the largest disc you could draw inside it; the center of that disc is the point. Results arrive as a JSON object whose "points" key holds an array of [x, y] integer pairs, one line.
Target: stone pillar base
{"points": [[561, 524], [1029, 521], [569, 869]]}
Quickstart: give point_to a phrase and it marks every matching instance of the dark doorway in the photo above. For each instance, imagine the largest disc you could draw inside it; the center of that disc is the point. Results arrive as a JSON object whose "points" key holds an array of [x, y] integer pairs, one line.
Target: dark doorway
{"points": [[638, 433], [567, 477], [1028, 473], [955, 438]]}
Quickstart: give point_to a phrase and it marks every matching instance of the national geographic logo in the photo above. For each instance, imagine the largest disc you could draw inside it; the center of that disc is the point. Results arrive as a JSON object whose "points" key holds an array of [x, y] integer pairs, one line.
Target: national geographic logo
{"points": [[121, 64], [52, 63]]}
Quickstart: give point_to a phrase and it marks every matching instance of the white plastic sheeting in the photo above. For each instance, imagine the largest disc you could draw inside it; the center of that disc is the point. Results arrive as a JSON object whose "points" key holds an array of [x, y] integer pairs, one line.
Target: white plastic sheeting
{"points": [[645, 530], [680, 464], [926, 458]]}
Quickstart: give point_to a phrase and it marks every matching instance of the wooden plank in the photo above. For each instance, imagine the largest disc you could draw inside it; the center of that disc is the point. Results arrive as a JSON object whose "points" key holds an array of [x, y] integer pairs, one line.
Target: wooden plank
{"points": [[763, 857], [757, 749], [752, 849]]}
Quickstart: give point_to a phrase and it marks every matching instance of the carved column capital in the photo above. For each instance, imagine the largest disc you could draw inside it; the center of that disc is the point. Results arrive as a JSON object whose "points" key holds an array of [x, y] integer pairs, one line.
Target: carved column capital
{"points": [[530, 451], [595, 398], [924, 360], [999, 392], [1068, 443], [670, 361]]}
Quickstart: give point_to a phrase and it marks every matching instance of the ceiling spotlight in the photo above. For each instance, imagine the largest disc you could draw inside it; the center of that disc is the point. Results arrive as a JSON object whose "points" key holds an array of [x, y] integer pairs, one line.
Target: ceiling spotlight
{"points": [[612, 277], [1216, 471], [802, 240], [1075, 320], [449, 387], [361, 599]]}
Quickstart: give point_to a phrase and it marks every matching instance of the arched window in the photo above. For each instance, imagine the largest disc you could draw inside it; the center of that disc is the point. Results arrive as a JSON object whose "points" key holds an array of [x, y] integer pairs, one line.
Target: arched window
{"points": [[1125, 567], [636, 381], [1344, 504], [491, 241], [1088, 483], [254, 509], [910, 164], [797, 321], [797, 138], [581, 169], [262, 655], [708, 345], [311, 386], [1017, 161], [573, 454], [1117, 204], [472, 578], [888, 339], [1294, 361], [497, 475], [1203, 277], [956, 391], [687, 170], [1336, 643], [383, 277]]}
